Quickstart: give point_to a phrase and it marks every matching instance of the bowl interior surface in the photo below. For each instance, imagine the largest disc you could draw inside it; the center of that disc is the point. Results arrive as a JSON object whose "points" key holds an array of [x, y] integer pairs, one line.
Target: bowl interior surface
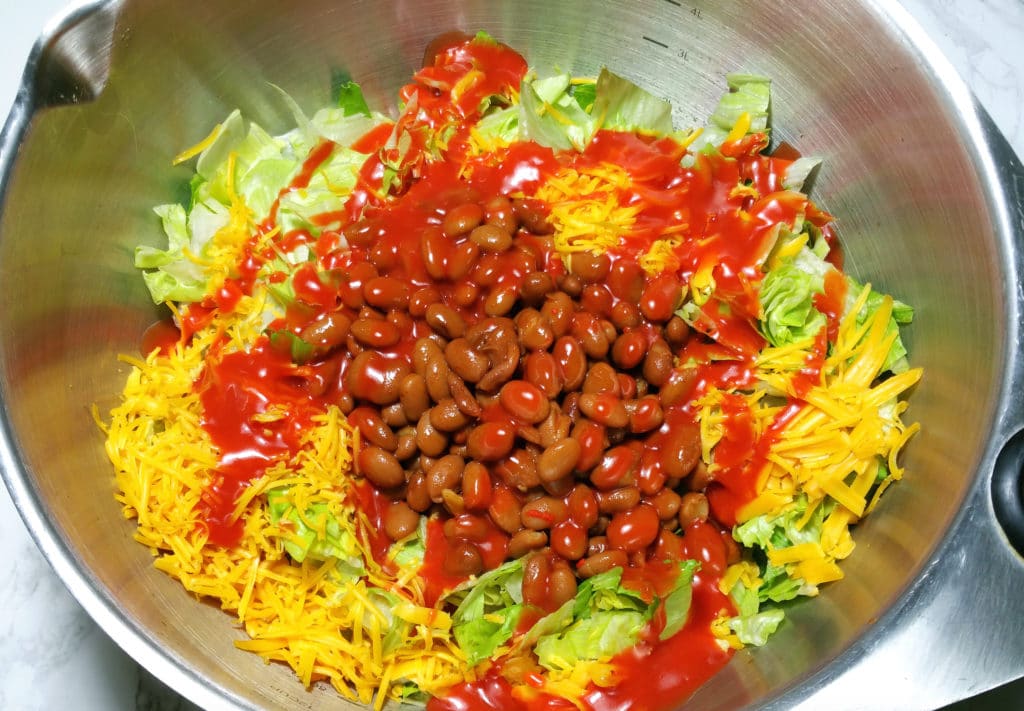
{"points": [[847, 86]]}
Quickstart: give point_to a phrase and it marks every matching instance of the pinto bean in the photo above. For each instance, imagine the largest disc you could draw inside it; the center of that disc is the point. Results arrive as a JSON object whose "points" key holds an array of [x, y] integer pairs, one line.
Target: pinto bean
{"points": [[372, 428], [525, 541], [658, 364], [583, 506], [681, 450], [635, 529], [572, 362], [561, 585], [569, 540], [602, 378], [504, 510], [463, 359], [646, 415], [498, 211], [524, 400], [500, 300], [412, 394], [559, 460], [386, 293], [375, 377], [535, 287], [693, 506], [462, 218], [445, 474], [446, 416], [476, 486], [417, 494], [616, 500], [629, 350], [422, 298], [490, 441], [605, 409], [327, 332], [558, 309], [590, 267], [400, 520], [463, 558], [446, 321], [431, 441], [380, 467], [602, 563], [541, 369]]}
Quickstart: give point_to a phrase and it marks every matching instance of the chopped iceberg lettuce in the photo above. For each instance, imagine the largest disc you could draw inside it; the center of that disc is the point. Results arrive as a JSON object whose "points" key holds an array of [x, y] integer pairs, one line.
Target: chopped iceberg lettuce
{"points": [[782, 530], [606, 618], [753, 623], [677, 602], [315, 533], [408, 554], [621, 105], [748, 94], [488, 611], [550, 116]]}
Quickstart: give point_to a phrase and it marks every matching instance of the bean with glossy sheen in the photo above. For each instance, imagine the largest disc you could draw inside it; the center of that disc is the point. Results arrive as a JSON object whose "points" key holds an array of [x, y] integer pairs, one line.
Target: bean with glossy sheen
{"points": [[412, 394], [386, 293], [504, 510], [372, 428], [618, 500], [490, 441], [476, 486], [543, 513], [375, 333], [572, 362], [558, 309], [661, 297], [616, 468], [375, 377], [461, 260], [327, 332], [647, 415], [491, 238], [666, 502], [559, 460], [602, 378], [417, 494], [468, 526], [421, 299], [498, 211], [593, 440], [569, 540], [583, 506], [658, 364], [605, 409], [525, 541], [535, 332], [463, 558], [677, 332], [625, 315], [461, 219], [445, 474], [519, 469], [535, 287], [541, 369], [406, 447], [446, 416], [524, 400], [446, 321], [429, 439], [561, 586], [693, 506], [629, 349], [380, 467], [536, 571], [601, 563], [590, 267], [400, 520], [500, 301], [435, 249], [633, 530], [679, 386], [466, 361], [681, 450]]}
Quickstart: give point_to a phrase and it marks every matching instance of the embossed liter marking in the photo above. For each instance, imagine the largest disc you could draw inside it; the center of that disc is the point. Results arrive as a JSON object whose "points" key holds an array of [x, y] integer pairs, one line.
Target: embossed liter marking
{"points": [[654, 41]]}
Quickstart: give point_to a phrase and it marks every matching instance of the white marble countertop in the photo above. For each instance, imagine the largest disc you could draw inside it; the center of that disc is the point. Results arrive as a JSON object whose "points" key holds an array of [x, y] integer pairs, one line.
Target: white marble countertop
{"points": [[52, 655]]}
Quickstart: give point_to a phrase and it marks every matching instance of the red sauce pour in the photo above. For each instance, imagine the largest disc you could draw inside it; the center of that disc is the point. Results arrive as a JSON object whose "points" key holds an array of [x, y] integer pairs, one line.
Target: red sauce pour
{"points": [[234, 389]]}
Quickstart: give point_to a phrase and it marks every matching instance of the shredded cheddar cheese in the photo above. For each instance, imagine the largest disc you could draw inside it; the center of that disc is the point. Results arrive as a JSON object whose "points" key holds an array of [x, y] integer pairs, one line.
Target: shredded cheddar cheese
{"points": [[585, 208]]}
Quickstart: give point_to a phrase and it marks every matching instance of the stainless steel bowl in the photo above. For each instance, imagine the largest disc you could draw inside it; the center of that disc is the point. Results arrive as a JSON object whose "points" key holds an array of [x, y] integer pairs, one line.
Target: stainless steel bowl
{"points": [[930, 204]]}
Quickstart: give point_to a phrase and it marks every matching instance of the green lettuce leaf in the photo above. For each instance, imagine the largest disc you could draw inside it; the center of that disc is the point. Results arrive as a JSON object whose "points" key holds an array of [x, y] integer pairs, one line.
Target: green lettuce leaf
{"points": [[677, 602], [621, 105], [336, 543], [488, 611], [550, 116], [603, 619], [409, 554], [902, 314], [351, 100], [748, 94]]}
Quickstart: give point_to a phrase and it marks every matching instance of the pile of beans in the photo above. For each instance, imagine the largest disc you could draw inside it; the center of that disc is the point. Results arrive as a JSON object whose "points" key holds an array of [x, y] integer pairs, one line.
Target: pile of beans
{"points": [[536, 408]]}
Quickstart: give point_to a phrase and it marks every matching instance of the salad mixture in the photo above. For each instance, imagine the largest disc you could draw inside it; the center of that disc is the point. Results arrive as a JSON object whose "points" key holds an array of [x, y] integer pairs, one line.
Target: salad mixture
{"points": [[511, 399]]}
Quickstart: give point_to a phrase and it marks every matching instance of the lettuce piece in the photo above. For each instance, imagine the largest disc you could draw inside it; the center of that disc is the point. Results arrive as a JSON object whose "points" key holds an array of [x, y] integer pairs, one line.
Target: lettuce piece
{"points": [[351, 100], [409, 554], [799, 173], [175, 277], [305, 541], [753, 625], [602, 635], [781, 531], [677, 602], [748, 94], [551, 117], [603, 619], [787, 304], [621, 105], [488, 611]]}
